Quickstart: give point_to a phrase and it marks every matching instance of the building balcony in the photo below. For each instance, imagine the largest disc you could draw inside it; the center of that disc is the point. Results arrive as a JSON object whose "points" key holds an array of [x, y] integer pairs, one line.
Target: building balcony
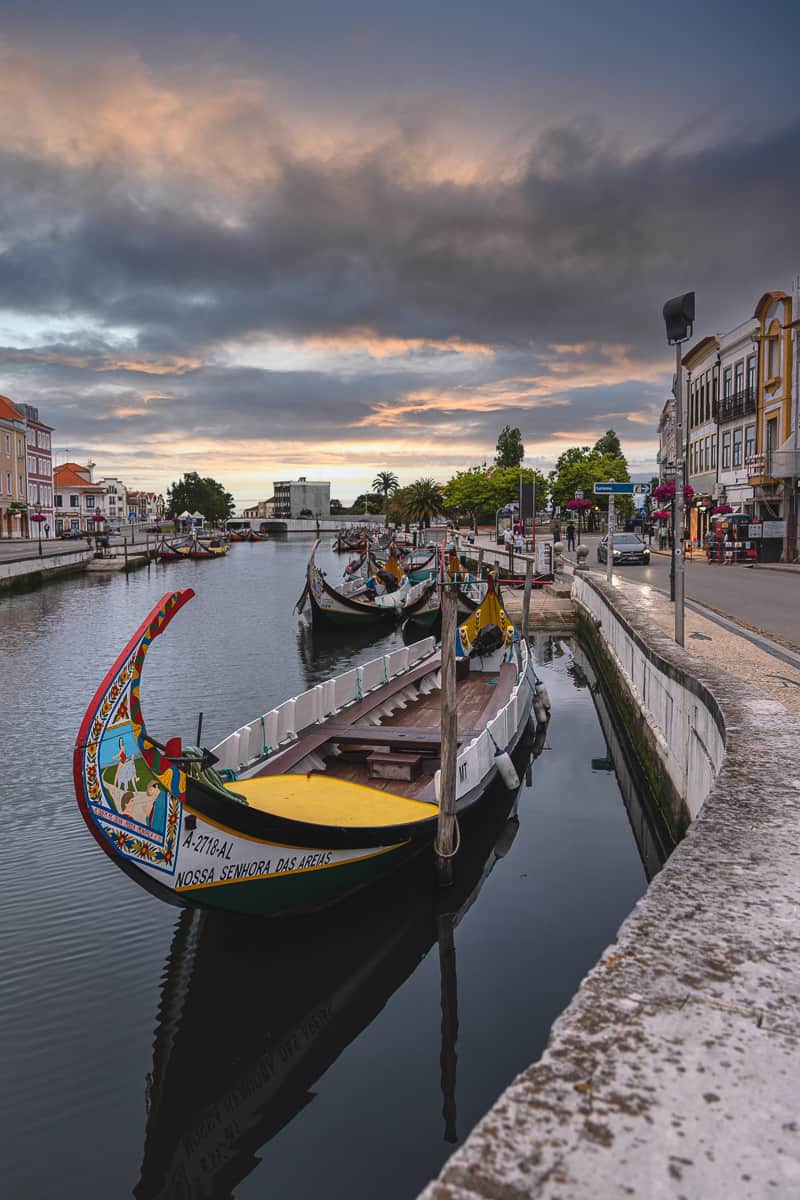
{"points": [[762, 469], [740, 404]]}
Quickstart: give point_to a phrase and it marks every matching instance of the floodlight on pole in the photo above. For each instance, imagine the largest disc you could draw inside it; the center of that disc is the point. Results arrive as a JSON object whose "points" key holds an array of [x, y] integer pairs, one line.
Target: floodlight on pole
{"points": [[679, 320]]}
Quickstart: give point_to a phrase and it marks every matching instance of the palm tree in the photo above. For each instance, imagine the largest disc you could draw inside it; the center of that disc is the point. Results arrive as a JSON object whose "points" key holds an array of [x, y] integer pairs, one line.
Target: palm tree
{"points": [[385, 482], [423, 500]]}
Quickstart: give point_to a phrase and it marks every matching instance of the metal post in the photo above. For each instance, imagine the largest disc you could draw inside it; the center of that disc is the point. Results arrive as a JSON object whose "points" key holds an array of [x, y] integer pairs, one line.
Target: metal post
{"points": [[446, 830], [479, 571], [526, 599], [610, 544], [677, 536], [125, 551]]}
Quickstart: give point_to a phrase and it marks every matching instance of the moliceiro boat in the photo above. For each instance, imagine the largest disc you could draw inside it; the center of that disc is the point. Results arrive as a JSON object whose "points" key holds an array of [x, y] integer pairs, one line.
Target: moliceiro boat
{"points": [[312, 800]]}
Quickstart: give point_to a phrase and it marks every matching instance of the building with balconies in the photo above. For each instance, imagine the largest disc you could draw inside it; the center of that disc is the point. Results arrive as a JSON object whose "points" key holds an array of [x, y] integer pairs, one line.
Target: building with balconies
{"points": [[771, 468], [77, 499], [115, 503], [737, 414], [13, 487], [39, 470], [701, 389], [301, 498]]}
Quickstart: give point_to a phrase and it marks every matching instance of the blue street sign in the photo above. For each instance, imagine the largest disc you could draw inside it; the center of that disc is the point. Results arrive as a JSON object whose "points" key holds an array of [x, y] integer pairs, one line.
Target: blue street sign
{"points": [[132, 516], [641, 489], [613, 489]]}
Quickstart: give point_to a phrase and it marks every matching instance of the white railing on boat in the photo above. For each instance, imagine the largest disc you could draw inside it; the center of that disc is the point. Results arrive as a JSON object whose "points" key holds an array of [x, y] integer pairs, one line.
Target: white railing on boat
{"points": [[280, 726]]}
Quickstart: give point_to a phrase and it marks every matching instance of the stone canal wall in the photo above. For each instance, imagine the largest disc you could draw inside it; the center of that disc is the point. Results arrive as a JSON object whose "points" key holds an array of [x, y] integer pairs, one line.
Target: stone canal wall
{"points": [[672, 721], [19, 574], [673, 1072]]}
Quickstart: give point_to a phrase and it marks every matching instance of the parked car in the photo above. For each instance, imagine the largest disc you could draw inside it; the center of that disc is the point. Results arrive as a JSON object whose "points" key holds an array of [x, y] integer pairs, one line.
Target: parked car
{"points": [[628, 548], [69, 534]]}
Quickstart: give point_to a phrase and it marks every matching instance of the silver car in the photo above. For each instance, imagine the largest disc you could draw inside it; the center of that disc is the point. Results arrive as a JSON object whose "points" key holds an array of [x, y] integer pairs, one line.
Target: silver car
{"points": [[628, 548]]}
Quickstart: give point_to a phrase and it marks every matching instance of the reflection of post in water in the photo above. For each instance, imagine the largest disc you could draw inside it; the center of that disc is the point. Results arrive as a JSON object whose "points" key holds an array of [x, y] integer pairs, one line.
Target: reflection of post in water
{"points": [[445, 925]]}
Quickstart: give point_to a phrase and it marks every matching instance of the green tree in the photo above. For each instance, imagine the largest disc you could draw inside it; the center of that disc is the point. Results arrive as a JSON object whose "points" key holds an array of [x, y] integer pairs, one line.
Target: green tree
{"points": [[421, 501], [478, 493], [206, 495], [367, 502], [386, 482], [581, 468], [336, 506], [608, 444], [510, 450], [467, 494]]}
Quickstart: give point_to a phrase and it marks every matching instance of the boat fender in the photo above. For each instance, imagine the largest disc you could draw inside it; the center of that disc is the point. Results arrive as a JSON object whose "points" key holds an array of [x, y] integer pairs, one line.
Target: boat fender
{"points": [[540, 712], [542, 694], [506, 770]]}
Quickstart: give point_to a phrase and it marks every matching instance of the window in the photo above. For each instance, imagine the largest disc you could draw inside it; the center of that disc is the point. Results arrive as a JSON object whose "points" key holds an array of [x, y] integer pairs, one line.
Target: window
{"points": [[73, 502], [751, 373], [8, 482], [59, 500], [715, 390], [737, 447], [32, 465], [772, 442], [726, 450], [708, 453], [20, 447], [773, 358], [20, 486], [713, 451], [749, 442], [738, 385], [727, 382], [8, 447], [90, 501]]}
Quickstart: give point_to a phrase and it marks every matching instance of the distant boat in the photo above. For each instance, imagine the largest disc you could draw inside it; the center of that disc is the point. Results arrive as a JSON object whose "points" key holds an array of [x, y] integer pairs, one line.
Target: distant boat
{"points": [[215, 548], [173, 551], [355, 602], [313, 800]]}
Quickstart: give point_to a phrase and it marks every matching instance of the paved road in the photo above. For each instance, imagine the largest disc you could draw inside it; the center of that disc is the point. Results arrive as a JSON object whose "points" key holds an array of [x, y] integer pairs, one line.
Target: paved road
{"points": [[762, 599]]}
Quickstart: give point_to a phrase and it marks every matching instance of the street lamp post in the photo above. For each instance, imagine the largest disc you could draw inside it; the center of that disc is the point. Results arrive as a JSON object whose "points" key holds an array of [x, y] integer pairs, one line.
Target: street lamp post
{"points": [[38, 517], [679, 318]]}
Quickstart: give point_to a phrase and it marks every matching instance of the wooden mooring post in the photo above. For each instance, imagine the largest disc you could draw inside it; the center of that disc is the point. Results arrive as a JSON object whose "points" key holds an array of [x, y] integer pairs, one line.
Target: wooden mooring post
{"points": [[480, 562], [125, 549], [447, 829]]}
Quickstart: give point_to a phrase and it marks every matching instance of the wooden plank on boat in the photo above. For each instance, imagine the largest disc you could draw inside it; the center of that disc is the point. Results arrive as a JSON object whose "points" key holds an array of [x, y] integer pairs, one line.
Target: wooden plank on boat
{"points": [[390, 735]]}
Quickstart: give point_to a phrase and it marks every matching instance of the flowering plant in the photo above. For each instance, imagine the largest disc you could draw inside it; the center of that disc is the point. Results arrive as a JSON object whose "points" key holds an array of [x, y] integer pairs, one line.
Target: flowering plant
{"points": [[665, 492], [579, 504], [663, 514], [721, 509]]}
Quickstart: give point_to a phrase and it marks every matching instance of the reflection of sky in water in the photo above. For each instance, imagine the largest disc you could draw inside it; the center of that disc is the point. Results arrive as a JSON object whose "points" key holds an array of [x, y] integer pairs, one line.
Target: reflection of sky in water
{"points": [[92, 947]]}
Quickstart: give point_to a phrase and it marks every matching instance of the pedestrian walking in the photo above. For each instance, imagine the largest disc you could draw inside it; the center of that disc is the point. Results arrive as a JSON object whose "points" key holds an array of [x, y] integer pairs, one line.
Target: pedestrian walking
{"points": [[570, 536]]}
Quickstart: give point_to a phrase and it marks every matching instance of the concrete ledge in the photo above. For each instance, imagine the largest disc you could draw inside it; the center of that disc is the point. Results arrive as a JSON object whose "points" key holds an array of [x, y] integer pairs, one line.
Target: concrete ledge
{"points": [[19, 574], [673, 1072]]}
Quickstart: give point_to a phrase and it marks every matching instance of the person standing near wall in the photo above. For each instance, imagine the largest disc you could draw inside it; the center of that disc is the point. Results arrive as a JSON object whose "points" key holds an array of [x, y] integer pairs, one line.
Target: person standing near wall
{"points": [[570, 536]]}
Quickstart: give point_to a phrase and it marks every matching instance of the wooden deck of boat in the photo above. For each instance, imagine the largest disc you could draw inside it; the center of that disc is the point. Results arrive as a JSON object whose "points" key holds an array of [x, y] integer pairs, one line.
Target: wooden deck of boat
{"points": [[480, 696], [415, 728]]}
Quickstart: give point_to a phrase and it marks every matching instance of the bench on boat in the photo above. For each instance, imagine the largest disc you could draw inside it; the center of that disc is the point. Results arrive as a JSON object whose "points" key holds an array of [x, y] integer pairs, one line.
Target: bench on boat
{"points": [[401, 736]]}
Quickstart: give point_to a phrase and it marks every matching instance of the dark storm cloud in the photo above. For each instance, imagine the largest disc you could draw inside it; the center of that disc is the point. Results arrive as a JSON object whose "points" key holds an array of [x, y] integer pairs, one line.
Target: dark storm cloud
{"points": [[582, 244]]}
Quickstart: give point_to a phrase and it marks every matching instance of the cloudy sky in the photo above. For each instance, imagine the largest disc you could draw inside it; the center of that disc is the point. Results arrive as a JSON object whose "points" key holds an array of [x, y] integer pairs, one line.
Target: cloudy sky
{"points": [[262, 240]]}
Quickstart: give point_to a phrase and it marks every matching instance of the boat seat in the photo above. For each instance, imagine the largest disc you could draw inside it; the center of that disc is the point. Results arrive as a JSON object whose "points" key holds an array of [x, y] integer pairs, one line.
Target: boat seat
{"points": [[324, 800]]}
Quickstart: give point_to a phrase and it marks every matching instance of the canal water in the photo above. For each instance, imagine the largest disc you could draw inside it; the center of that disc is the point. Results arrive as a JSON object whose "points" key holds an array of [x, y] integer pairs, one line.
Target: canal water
{"points": [[154, 1051]]}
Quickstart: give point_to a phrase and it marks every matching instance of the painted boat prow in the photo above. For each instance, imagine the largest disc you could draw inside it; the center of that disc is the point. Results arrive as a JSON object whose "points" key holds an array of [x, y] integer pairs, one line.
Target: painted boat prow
{"points": [[114, 716]]}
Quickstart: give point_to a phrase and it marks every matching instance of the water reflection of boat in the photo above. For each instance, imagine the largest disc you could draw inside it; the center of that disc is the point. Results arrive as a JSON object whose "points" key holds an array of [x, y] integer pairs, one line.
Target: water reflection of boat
{"points": [[230, 1070]]}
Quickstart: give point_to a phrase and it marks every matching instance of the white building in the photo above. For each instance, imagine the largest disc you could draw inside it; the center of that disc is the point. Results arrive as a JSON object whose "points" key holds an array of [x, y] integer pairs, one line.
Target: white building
{"points": [[737, 410], [115, 502], [301, 498]]}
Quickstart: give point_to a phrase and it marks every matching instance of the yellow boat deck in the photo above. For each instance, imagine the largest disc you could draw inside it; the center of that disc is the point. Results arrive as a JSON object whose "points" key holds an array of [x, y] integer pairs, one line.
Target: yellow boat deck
{"points": [[325, 800]]}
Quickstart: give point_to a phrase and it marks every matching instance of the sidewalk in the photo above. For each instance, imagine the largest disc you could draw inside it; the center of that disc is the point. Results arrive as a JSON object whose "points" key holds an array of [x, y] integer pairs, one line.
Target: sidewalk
{"points": [[726, 650]]}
